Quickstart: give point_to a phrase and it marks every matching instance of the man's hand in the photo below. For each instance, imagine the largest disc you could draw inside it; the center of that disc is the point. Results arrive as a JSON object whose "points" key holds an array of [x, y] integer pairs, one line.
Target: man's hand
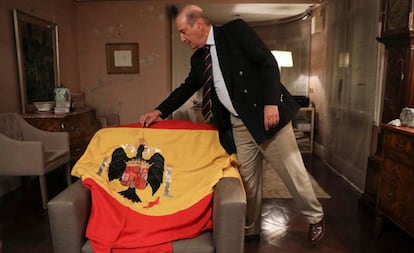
{"points": [[271, 116], [149, 117]]}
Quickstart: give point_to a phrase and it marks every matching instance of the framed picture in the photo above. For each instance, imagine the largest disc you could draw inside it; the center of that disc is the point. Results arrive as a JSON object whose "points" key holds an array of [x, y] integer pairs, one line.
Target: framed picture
{"points": [[122, 58], [37, 59]]}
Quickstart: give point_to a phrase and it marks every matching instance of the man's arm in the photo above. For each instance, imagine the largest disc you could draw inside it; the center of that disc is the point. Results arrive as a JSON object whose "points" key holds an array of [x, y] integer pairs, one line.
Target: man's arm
{"points": [[180, 95]]}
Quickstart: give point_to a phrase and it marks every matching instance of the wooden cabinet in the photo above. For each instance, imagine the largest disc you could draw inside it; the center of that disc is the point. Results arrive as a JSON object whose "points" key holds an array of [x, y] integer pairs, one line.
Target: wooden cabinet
{"points": [[395, 195], [80, 124], [397, 35], [303, 126], [370, 194]]}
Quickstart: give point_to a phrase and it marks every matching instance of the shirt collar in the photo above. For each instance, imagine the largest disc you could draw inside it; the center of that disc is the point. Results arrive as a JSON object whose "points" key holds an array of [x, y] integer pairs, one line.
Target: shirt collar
{"points": [[210, 38]]}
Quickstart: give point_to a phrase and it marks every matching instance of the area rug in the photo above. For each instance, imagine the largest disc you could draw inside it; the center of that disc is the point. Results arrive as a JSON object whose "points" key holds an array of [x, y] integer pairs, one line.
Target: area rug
{"points": [[273, 187]]}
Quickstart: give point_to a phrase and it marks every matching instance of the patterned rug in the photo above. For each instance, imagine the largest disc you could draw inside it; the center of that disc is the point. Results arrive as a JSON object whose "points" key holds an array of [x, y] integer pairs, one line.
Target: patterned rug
{"points": [[273, 187]]}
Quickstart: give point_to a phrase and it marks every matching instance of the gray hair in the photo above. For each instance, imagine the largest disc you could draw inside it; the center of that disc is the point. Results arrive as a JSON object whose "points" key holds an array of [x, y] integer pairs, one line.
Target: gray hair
{"points": [[192, 16], [194, 12]]}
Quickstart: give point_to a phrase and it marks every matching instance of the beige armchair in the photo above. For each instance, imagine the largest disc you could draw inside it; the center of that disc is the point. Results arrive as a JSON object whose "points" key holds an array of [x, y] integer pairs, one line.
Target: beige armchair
{"points": [[69, 212], [28, 151]]}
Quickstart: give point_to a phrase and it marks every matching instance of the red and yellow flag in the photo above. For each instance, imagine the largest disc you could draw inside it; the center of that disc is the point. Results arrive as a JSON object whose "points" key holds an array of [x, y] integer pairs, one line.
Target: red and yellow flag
{"points": [[151, 186]]}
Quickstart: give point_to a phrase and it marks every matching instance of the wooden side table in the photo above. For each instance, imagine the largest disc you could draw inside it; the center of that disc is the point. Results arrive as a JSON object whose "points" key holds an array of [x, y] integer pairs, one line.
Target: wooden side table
{"points": [[81, 125]]}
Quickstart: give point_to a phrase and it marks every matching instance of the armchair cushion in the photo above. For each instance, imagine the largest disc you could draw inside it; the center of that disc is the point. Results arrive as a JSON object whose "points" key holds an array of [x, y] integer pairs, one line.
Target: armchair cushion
{"points": [[150, 194]]}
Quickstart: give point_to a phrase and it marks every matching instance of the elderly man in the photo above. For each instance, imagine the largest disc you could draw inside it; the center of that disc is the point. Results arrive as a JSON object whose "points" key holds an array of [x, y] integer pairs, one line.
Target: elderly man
{"points": [[244, 99]]}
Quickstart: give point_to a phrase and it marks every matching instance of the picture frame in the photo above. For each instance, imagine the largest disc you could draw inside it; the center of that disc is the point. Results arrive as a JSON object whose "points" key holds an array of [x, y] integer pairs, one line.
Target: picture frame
{"points": [[122, 58], [37, 59]]}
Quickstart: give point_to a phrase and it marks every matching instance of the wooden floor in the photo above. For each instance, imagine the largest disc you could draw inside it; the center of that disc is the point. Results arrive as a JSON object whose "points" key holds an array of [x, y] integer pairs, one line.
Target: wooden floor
{"points": [[24, 225]]}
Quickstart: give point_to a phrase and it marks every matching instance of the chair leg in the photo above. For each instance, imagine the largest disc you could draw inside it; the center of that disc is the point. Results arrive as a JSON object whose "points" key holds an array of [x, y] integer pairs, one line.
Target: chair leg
{"points": [[68, 176], [43, 191]]}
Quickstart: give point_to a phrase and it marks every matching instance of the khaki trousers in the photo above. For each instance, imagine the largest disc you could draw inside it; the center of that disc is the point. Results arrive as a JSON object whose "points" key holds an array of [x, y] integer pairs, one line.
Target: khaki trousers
{"points": [[282, 153]]}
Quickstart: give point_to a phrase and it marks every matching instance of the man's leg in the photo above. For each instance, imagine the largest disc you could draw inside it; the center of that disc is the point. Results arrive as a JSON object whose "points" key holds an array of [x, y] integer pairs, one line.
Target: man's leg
{"points": [[284, 156], [251, 163]]}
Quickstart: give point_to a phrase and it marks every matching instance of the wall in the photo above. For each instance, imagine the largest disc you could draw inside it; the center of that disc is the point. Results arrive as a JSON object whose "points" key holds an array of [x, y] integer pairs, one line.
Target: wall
{"points": [[61, 12], [143, 22], [317, 74]]}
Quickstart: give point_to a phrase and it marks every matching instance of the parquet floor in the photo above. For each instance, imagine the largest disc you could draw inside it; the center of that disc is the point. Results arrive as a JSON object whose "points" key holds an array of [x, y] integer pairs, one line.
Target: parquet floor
{"points": [[24, 225]]}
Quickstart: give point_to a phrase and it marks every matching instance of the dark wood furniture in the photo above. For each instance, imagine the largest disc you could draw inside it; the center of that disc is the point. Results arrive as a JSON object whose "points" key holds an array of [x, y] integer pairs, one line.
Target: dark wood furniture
{"points": [[81, 125], [369, 196], [395, 194], [397, 35]]}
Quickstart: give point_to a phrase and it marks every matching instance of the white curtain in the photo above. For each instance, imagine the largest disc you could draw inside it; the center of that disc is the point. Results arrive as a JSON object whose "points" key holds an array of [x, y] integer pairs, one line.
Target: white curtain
{"points": [[351, 84]]}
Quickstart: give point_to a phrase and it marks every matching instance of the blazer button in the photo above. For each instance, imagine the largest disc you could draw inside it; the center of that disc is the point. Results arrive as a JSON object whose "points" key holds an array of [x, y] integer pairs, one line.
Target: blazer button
{"points": [[254, 105], [245, 91], [281, 98], [240, 73]]}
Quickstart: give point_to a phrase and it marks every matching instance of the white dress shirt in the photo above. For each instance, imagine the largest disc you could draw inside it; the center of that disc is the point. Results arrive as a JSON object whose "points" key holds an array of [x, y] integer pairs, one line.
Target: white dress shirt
{"points": [[219, 84]]}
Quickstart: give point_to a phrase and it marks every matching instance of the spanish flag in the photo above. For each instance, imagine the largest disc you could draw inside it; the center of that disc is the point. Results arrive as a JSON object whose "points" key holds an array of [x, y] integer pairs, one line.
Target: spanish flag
{"points": [[151, 186]]}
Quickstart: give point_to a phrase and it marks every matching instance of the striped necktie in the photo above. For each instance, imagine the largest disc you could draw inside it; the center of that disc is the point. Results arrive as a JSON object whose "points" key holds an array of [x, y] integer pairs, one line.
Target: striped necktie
{"points": [[207, 85]]}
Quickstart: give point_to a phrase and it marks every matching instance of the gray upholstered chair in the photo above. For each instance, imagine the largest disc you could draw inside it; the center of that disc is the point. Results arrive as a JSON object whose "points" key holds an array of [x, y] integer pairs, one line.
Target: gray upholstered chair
{"points": [[69, 212], [28, 151], [107, 119]]}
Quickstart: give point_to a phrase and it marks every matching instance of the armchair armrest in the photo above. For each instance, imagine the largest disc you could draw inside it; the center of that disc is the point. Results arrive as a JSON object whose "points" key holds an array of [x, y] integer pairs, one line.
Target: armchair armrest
{"points": [[68, 216], [54, 140], [229, 212], [11, 162], [50, 140]]}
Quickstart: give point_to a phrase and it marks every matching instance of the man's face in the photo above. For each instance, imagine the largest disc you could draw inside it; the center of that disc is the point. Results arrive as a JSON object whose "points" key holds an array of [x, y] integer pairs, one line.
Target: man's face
{"points": [[193, 36]]}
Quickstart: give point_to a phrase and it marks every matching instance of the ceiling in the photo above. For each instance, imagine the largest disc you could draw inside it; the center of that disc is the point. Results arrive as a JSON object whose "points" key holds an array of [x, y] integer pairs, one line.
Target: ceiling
{"points": [[254, 12]]}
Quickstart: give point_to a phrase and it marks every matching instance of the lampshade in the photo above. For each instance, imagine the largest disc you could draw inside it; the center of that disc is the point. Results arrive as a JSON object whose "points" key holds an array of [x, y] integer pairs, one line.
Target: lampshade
{"points": [[283, 58]]}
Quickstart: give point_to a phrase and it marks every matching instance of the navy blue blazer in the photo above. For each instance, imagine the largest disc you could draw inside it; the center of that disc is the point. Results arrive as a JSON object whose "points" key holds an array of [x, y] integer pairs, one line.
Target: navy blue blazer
{"points": [[252, 78]]}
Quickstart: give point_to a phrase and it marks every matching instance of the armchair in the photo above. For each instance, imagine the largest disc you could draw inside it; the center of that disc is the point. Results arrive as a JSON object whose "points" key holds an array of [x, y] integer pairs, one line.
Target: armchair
{"points": [[28, 151], [107, 119], [69, 213]]}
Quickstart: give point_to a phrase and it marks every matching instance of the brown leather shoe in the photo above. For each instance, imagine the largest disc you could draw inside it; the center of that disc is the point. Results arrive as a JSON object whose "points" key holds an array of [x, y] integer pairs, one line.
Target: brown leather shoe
{"points": [[316, 231]]}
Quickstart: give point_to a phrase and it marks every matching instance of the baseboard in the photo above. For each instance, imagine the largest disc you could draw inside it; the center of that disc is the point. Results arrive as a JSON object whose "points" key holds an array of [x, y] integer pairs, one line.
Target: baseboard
{"points": [[319, 150]]}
